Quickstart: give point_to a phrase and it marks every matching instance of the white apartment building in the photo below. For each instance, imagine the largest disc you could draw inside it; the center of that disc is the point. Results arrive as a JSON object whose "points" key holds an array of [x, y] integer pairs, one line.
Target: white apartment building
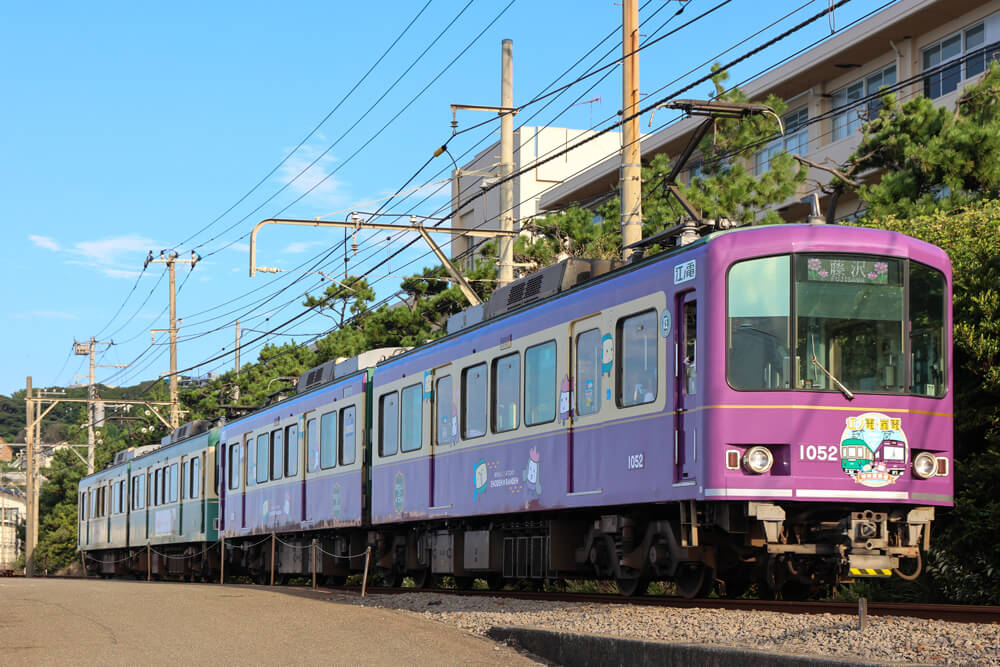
{"points": [[12, 514], [930, 47], [471, 211]]}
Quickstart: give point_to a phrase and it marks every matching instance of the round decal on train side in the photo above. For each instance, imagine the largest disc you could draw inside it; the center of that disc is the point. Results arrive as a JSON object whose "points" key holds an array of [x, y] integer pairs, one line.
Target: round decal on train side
{"points": [[873, 449], [665, 323]]}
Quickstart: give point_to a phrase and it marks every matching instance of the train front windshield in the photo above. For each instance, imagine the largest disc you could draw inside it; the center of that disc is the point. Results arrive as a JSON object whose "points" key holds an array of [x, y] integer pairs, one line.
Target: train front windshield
{"points": [[823, 322]]}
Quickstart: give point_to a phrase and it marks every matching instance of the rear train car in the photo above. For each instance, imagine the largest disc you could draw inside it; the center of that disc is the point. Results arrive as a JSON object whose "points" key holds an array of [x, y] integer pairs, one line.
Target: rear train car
{"points": [[766, 404], [154, 510]]}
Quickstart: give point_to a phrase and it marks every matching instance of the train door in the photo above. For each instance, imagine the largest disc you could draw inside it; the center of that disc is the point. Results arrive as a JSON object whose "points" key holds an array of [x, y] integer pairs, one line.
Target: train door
{"points": [[686, 390], [586, 387], [441, 413], [302, 447], [247, 468]]}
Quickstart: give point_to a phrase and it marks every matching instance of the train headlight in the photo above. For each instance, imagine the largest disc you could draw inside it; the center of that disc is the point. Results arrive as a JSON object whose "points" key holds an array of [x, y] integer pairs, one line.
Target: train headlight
{"points": [[924, 465], [758, 460]]}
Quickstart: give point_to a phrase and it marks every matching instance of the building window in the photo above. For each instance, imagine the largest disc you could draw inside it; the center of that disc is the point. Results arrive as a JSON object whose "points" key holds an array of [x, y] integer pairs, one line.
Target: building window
{"points": [[411, 418], [848, 106], [506, 392], [960, 56], [794, 141]]}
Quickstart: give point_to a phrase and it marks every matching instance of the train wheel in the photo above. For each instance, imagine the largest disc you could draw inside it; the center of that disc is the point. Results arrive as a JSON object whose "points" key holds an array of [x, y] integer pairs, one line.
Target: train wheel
{"points": [[494, 580], [464, 583], [694, 580], [390, 578], [630, 587], [334, 580]]}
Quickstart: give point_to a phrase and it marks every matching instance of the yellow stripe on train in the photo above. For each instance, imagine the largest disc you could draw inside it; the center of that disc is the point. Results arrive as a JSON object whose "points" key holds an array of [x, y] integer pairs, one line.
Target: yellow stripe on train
{"points": [[870, 572]]}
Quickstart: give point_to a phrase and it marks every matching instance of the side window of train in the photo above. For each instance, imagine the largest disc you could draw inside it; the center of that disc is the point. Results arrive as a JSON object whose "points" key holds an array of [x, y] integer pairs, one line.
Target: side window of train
{"points": [[277, 454], [348, 436], [411, 404], [588, 372], [194, 485], [388, 431], [262, 458], [506, 392], [540, 384], [638, 350], [690, 347], [234, 465], [444, 411], [291, 450], [328, 440], [251, 457], [185, 478], [474, 402], [312, 441], [173, 482], [154, 487]]}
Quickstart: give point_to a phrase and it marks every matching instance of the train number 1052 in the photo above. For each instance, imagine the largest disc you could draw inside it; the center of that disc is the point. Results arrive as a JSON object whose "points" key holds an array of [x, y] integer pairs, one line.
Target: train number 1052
{"points": [[636, 462], [819, 452]]}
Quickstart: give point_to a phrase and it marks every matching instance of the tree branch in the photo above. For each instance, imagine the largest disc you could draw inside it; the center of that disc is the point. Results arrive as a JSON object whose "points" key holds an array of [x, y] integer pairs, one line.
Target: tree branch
{"points": [[836, 172]]}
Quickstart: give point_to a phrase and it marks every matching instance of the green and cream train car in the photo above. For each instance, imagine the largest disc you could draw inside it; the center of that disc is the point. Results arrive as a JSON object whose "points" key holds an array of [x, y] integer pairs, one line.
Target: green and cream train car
{"points": [[155, 509]]}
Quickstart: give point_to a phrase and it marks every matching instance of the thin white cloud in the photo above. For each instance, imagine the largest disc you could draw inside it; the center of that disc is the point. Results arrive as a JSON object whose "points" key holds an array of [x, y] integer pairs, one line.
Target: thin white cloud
{"points": [[44, 242], [316, 180], [48, 314], [297, 247], [240, 247], [109, 251]]}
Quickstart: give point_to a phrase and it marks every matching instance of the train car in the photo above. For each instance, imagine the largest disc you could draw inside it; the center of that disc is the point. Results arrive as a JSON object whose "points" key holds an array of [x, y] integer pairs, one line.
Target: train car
{"points": [[157, 503], [682, 417], [297, 469], [855, 455]]}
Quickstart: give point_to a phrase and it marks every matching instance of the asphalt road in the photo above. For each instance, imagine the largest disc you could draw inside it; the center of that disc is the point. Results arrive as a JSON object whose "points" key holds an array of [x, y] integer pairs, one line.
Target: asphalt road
{"points": [[73, 621]]}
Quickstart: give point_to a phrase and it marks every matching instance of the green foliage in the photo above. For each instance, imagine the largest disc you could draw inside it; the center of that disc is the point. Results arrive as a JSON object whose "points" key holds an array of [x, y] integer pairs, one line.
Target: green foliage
{"points": [[931, 158]]}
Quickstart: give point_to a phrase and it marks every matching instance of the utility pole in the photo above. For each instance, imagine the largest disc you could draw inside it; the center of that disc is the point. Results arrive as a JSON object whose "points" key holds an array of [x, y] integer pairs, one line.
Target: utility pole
{"points": [[93, 406], [170, 260], [507, 165], [31, 532], [631, 167], [236, 391], [506, 110]]}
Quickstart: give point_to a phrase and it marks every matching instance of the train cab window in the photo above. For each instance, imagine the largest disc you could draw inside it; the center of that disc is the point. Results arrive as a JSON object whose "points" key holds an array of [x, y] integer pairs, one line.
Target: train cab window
{"points": [[234, 465], [411, 432], [506, 392], [388, 431], [262, 458], [312, 442], [540, 384], [927, 332], [474, 401], [173, 483], [348, 435], [328, 440], [291, 450], [194, 484], [589, 350], [690, 348], [638, 351], [277, 454], [757, 356], [444, 412]]}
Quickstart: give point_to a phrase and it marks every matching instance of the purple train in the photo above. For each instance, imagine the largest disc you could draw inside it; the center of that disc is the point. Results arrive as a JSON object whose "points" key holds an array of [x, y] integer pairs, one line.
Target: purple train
{"points": [[707, 415], [678, 418]]}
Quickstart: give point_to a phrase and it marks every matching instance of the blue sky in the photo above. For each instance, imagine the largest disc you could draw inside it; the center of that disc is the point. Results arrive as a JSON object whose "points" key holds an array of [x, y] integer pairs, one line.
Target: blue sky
{"points": [[129, 127]]}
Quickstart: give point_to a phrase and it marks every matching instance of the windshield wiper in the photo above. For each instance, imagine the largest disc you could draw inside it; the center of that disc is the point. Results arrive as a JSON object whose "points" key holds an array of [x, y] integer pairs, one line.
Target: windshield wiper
{"points": [[848, 394]]}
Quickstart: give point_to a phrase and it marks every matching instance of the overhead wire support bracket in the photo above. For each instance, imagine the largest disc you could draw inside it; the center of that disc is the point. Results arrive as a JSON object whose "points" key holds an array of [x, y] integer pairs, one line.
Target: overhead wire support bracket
{"points": [[424, 231]]}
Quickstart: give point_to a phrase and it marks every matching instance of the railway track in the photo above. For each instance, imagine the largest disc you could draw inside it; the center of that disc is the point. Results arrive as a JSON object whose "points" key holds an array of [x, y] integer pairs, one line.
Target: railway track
{"points": [[942, 612]]}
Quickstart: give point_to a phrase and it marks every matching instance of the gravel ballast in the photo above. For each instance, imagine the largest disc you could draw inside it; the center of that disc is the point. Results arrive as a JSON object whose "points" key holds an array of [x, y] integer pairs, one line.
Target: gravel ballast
{"points": [[888, 639]]}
